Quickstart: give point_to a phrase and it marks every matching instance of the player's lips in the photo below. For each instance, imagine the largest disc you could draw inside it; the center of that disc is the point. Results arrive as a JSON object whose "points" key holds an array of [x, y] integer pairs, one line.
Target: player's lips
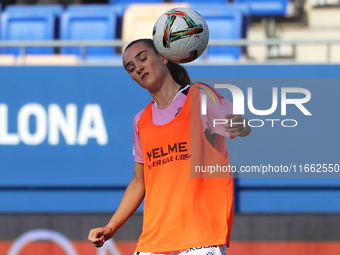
{"points": [[145, 75]]}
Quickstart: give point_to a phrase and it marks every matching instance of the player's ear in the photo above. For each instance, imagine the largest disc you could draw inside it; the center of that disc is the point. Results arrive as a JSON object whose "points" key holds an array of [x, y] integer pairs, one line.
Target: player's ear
{"points": [[164, 60]]}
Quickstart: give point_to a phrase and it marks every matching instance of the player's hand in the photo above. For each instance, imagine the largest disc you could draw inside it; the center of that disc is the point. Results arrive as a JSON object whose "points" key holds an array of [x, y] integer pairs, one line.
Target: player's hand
{"points": [[237, 125], [98, 236]]}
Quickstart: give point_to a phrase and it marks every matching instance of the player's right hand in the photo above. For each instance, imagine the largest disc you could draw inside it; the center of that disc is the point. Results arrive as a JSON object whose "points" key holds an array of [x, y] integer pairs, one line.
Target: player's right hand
{"points": [[98, 236]]}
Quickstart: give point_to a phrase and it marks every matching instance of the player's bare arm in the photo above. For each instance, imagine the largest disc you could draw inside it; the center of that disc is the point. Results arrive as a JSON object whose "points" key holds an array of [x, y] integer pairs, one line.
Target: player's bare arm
{"points": [[131, 200]]}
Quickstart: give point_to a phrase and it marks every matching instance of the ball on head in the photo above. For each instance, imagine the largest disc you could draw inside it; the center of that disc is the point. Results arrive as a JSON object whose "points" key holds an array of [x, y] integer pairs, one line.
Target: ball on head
{"points": [[181, 35]]}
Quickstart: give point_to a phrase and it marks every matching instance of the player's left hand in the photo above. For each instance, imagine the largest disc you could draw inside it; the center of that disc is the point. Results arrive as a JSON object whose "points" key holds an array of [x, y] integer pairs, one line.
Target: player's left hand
{"points": [[237, 125]]}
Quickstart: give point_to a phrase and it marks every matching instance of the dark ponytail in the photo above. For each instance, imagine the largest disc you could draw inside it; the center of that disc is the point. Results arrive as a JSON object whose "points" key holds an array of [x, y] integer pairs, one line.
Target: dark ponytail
{"points": [[178, 72]]}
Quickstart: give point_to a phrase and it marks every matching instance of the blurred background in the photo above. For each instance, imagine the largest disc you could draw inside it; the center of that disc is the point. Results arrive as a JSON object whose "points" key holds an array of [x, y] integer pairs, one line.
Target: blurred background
{"points": [[66, 149]]}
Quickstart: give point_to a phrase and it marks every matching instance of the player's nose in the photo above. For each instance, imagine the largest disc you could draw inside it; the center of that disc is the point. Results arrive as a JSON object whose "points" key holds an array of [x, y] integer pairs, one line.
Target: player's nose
{"points": [[139, 67]]}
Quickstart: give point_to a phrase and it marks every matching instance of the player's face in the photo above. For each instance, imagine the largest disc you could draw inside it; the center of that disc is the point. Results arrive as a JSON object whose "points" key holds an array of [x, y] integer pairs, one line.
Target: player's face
{"points": [[145, 66]]}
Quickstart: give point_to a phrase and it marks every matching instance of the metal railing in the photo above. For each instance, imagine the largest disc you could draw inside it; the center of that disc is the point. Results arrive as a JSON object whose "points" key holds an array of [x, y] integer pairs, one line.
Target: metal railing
{"points": [[120, 43]]}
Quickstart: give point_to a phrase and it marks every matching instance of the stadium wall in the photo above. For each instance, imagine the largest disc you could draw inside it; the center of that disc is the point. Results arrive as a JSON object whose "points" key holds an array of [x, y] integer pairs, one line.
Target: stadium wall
{"points": [[66, 156]]}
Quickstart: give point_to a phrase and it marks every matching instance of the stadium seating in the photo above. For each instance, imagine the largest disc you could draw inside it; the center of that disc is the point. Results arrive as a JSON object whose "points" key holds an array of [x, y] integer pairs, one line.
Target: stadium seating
{"points": [[7, 59], [201, 1], [89, 23], [220, 8], [139, 19], [121, 19], [134, 1], [56, 9], [223, 24], [117, 8], [325, 3], [28, 23], [266, 7], [51, 60]]}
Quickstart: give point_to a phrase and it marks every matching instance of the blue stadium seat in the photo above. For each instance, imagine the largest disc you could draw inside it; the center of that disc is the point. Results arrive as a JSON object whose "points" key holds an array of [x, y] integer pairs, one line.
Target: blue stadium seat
{"points": [[220, 8], [56, 9], [117, 8], [201, 1], [224, 24], [28, 24], [134, 1], [89, 23], [266, 7]]}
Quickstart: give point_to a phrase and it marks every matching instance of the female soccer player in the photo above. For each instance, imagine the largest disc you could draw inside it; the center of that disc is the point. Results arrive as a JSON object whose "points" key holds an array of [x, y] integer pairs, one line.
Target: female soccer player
{"points": [[181, 214]]}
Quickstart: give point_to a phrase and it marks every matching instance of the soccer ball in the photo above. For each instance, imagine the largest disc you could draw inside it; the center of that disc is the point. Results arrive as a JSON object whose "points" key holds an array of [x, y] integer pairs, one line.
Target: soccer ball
{"points": [[181, 35]]}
